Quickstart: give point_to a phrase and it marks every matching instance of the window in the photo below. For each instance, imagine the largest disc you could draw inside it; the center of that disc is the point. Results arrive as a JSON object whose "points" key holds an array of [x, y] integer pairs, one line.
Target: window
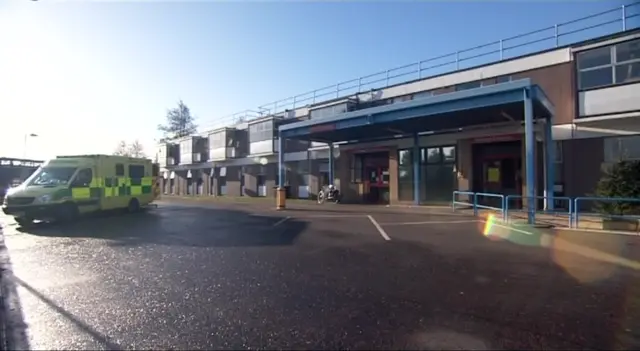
{"points": [[402, 98], [609, 65], [119, 170], [217, 140], [504, 79], [83, 178], [186, 147], [449, 154], [328, 111], [422, 95], [622, 148], [261, 131], [469, 85], [437, 176], [405, 175], [136, 171], [430, 155], [558, 151]]}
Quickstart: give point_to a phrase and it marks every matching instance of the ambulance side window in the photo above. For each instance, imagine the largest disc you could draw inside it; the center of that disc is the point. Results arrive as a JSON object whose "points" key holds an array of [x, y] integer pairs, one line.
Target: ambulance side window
{"points": [[83, 179], [119, 170]]}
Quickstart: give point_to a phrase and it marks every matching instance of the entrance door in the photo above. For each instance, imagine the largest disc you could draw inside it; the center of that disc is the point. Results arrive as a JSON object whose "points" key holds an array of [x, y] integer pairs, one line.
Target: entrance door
{"points": [[501, 176], [377, 182]]}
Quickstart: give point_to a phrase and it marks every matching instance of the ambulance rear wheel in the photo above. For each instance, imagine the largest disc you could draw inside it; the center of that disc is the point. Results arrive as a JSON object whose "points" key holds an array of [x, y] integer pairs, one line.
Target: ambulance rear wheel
{"points": [[134, 205]]}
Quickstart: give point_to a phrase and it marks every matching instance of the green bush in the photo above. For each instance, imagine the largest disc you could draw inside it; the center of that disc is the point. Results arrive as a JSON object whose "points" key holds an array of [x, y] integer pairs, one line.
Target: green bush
{"points": [[622, 180]]}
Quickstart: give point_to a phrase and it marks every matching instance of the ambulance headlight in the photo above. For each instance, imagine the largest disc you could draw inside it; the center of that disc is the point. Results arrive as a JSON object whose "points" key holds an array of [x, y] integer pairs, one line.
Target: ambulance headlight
{"points": [[43, 199]]}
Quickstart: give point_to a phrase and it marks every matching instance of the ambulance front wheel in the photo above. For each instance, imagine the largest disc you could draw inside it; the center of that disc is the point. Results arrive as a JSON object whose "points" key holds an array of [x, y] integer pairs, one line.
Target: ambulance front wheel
{"points": [[24, 221], [69, 212]]}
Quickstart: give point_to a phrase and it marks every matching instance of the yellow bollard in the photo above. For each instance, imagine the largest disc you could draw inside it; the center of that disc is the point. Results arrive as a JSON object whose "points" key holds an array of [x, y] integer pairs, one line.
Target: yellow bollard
{"points": [[281, 197]]}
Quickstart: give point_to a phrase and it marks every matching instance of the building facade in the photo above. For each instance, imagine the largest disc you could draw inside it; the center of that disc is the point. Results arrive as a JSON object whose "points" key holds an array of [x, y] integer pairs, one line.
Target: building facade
{"points": [[594, 86]]}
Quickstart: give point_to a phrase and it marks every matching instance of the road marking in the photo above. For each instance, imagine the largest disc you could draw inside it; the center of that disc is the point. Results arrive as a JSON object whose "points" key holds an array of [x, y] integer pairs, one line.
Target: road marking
{"points": [[380, 230], [281, 221], [509, 228], [430, 222]]}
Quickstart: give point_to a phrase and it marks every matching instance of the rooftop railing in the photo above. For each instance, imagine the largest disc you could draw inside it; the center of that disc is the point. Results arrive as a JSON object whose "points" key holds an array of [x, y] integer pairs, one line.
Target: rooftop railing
{"points": [[617, 19]]}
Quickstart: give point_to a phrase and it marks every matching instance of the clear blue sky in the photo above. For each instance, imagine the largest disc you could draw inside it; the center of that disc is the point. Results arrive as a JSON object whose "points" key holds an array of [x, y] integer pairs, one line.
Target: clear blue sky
{"points": [[79, 67]]}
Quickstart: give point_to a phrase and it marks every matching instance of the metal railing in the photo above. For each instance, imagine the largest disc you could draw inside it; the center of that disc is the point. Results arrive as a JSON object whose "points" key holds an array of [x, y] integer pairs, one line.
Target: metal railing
{"points": [[475, 204], [578, 200], [455, 201], [556, 199], [567, 33], [573, 211]]}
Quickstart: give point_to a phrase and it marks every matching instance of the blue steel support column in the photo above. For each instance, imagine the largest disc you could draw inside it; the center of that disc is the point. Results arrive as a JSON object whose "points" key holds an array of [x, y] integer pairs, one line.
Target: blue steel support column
{"points": [[281, 169], [416, 169], [550, 158], [331, 164], [530, 141]]}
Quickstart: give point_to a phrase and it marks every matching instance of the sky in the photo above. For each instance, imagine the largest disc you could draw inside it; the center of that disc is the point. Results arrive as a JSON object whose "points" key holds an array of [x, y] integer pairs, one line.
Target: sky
{"points": [[83, 75]]}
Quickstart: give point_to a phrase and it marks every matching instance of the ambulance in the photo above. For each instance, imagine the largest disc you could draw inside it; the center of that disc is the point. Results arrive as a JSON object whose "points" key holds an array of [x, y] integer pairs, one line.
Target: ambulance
{"points": [[68, 186]]}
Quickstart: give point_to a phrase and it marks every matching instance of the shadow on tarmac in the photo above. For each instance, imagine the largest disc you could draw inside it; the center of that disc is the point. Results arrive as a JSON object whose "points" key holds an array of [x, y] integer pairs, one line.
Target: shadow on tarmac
{"points": [[188, 226]]}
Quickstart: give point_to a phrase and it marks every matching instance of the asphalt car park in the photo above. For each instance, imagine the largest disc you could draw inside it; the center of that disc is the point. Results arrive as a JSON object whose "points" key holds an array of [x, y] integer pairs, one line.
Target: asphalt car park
{"points": [[194, 275]]}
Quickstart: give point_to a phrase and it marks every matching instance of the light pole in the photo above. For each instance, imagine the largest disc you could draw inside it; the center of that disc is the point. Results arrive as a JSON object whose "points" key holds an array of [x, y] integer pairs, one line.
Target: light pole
{"points": [[27, 136]]}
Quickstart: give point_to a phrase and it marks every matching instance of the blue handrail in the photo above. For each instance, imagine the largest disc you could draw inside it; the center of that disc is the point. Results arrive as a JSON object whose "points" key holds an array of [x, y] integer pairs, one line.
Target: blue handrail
{"points": [[577, 200], [565, 198], [475, 204], [573, 211], [454, 202]]}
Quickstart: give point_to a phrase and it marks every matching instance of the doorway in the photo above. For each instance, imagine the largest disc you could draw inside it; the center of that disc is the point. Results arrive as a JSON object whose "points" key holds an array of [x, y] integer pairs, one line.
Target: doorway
{"points": [[497, 169], [375, 167]]}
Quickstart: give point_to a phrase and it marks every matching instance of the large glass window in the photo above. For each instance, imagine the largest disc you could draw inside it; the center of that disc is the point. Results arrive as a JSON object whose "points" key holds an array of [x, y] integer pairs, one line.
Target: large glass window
{"points": [[186, 146], [422, 95], [261, 131], [616, 64], [437, 177], [217, 140], [328, 111], [469, 85], [405, 175], [622, 148]]}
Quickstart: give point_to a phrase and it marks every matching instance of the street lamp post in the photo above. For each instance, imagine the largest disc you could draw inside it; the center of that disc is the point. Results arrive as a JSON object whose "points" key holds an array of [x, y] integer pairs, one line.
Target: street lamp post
{"points": [[27, 136]]}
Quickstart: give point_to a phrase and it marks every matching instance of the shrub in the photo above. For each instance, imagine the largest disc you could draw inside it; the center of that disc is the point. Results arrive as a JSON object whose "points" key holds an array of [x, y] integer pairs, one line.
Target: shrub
{"points": [[622, 180]]}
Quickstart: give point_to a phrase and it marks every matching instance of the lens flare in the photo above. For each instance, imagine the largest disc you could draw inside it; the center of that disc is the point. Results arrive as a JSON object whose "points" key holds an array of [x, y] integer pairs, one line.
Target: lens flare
{"points": [[488, 224]]}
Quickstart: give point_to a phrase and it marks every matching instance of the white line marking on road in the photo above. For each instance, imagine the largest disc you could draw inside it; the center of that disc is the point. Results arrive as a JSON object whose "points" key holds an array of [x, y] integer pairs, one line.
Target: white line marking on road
{"points": [[509, 228], [429, 222], [380, 230], [281, 221]]}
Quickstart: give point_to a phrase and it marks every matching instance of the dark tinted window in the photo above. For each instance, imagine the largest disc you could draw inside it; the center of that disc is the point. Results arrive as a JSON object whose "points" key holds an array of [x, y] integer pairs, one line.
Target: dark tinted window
{"points": [[136, 171], [119, 170]]}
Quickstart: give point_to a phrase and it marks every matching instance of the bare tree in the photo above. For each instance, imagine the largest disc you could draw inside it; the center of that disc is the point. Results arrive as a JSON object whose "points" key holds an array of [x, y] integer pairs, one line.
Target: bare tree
{"points": [[136, 150], [180, 122], [121, 149]]}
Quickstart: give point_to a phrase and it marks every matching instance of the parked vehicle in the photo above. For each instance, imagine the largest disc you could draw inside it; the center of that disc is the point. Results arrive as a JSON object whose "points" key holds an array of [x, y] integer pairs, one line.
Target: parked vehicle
{"points": [[68, 186], [329, 193]]}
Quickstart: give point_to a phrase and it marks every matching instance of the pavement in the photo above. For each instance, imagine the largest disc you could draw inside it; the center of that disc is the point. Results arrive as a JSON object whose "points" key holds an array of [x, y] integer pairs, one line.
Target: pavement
{"points": [[208, 275]]}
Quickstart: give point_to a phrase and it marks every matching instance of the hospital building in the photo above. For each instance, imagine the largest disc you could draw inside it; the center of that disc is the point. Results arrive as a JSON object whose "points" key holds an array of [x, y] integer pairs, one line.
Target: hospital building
{"points": [[534, 114]]}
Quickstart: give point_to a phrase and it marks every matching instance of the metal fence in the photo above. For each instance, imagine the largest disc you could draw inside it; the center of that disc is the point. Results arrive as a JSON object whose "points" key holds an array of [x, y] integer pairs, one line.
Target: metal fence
{"points": [[571, 211], [607, 22]]}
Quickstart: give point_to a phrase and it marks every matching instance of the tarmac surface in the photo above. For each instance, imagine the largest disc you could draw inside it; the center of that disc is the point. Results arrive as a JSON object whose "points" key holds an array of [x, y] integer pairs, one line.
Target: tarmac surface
{"points": [[212, 275]]}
